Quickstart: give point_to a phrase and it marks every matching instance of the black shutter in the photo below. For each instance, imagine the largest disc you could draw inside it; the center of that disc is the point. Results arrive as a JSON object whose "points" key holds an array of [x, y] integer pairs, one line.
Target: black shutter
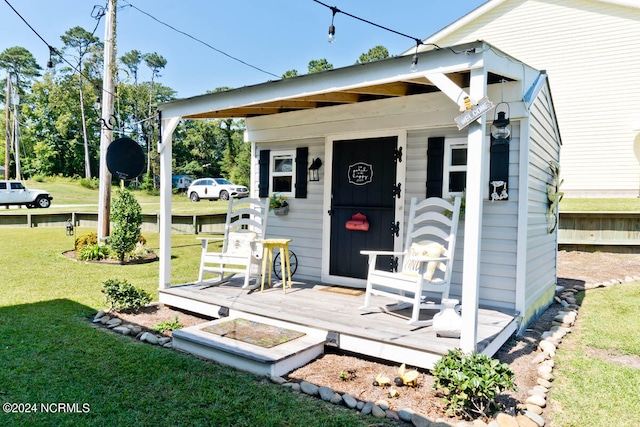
{"points": [[435, 166], [263, 174], [301, 172]]}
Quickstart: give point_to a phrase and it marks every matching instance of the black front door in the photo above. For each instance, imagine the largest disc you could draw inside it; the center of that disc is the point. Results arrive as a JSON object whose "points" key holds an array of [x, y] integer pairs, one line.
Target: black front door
{"points": [[363, 182]]}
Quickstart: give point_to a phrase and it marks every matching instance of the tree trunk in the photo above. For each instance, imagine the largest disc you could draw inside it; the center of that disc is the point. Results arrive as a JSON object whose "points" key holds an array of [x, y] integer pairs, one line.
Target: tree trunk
{"points": [[87, 162]]}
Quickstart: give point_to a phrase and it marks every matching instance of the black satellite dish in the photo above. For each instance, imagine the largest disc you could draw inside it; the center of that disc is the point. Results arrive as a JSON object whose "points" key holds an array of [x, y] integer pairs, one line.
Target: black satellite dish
{"points": [[125, 159]]}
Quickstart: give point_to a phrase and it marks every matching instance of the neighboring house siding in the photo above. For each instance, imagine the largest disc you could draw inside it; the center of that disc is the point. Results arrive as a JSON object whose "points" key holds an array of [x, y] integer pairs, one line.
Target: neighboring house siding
{"points": [[589, 49], [541, 246]]}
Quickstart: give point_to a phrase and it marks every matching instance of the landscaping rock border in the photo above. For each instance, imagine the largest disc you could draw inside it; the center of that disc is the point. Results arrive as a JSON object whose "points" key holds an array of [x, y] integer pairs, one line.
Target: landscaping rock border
{"points": [[118, 326]]}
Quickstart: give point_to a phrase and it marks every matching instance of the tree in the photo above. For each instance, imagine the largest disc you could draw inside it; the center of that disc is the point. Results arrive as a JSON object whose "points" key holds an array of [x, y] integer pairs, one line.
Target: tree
{"points": [[132, 60], [21, 67], [155, 63], [19, 62], [290, 73], [317, 65], [376, 53], [80, 40], [54, 119]]}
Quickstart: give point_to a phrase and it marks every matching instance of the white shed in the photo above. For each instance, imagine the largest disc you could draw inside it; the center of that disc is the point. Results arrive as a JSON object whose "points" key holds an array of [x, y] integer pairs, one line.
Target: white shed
{"points": [[412, 124]]}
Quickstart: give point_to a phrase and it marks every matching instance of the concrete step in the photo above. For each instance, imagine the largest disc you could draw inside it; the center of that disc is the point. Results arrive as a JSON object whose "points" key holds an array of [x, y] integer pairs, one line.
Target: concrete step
{"points": [[277, 360]]}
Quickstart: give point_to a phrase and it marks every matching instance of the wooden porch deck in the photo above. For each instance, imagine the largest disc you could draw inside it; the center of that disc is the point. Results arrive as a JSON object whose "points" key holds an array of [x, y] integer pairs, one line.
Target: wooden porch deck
{"points": [[334, 311]]}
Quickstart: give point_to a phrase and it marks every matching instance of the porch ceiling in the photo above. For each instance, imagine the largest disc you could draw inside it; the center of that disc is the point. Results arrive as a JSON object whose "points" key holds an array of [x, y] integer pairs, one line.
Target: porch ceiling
{"points": [[394, 89]]}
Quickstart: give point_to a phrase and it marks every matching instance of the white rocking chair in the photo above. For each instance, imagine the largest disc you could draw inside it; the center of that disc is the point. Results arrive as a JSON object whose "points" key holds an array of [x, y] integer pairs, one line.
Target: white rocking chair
{"points": [[427, 261], [241, 253]]}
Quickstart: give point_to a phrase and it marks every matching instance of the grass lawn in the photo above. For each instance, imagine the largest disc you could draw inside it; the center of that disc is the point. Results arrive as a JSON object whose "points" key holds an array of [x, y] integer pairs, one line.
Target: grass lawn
{"points": [[615, 205], [590, 389], [51, 354]]}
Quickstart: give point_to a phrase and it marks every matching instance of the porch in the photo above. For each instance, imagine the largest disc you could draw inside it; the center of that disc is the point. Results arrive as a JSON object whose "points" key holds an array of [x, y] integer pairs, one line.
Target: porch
{"points": [[334, 313]]}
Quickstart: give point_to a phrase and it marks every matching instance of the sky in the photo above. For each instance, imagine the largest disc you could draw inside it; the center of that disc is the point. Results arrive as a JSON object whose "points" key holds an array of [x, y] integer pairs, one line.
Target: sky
{"points": [[272, 35]]}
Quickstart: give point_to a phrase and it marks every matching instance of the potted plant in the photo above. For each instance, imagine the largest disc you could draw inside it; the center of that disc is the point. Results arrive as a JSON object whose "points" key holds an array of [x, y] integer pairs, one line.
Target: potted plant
{"points": [[278, 204]]}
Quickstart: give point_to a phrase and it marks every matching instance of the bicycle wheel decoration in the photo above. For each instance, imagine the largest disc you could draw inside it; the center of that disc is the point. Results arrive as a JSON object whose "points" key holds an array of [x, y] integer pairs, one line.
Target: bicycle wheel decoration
{"points": [[277, 267]]}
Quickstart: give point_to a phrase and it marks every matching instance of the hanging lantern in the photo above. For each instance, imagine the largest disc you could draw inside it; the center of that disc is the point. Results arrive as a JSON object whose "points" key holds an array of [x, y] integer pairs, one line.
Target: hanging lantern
{"points": [[314, 174]]}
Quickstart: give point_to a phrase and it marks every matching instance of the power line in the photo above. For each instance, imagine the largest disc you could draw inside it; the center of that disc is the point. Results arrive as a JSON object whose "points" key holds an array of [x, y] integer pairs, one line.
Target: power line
{"points": [[202, 42], [53, 50]]}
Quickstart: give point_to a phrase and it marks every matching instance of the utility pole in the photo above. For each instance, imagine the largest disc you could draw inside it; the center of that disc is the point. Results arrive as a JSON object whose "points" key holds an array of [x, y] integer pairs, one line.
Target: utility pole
{"points": [[104, 202], [8, 131]]}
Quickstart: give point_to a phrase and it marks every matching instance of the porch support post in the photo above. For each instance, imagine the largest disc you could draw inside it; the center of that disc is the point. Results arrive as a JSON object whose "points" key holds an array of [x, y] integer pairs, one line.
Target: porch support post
{"points": [[476, 173], [165, 151], [448, 87]]}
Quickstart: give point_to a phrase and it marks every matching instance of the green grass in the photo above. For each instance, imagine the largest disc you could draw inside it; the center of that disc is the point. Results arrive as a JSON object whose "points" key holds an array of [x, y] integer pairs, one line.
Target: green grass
{"points": [[50, 352], [614, 204], [590, 390]]}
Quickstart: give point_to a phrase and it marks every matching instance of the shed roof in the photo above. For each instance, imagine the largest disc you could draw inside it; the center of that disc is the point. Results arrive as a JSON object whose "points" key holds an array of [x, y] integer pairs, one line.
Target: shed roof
{"points": [[389, 78]]}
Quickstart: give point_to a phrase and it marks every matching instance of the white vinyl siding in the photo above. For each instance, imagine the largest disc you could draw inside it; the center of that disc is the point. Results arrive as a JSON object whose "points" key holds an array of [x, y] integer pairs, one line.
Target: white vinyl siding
{"points": [[541, 245], [589, 49], [303, 224]]}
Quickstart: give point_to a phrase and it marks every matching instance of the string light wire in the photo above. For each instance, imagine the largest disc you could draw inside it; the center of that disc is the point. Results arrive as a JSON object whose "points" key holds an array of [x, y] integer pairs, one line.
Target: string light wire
{"points": [[366, 21]]}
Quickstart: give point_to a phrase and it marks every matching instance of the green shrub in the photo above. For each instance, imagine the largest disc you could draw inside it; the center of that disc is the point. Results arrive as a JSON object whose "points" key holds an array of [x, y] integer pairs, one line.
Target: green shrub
{"points": [[140, 251], [471, 382], [162, 327], [93, 252], [85, 240], [126, 215], [123, 296], [90, 183]]}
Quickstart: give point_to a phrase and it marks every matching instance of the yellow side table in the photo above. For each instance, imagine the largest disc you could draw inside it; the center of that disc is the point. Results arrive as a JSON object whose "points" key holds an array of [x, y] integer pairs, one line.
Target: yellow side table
{"points": [[269, 245]]}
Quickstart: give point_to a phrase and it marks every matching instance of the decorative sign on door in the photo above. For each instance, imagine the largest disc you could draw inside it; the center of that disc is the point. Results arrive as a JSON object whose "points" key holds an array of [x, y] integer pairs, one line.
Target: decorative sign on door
{"points": [[360, 173]]}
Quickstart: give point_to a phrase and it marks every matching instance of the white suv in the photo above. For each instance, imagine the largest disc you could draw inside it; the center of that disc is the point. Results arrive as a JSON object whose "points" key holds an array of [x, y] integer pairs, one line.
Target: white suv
{"points": [[15, 193], [214, 189]]}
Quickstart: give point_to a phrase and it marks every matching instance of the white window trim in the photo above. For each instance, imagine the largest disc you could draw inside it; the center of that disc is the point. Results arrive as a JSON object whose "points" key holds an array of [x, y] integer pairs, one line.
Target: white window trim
{"points": [[449, 145], [273, 155]]}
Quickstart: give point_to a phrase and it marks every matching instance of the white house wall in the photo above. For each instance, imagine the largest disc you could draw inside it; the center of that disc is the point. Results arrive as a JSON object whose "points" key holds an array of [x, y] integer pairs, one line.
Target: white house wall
{"points": [[589, 49]]}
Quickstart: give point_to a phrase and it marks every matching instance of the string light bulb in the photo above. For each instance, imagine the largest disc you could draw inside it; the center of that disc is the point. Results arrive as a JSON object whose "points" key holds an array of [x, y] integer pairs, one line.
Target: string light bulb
{"points": [[50, 61], [414, 63], [332, 28], [332, 34]]}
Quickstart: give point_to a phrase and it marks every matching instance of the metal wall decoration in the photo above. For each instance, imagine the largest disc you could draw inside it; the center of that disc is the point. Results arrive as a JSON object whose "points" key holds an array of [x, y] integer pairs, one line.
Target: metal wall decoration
{"points": [[499, 190], [554, 195]]}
